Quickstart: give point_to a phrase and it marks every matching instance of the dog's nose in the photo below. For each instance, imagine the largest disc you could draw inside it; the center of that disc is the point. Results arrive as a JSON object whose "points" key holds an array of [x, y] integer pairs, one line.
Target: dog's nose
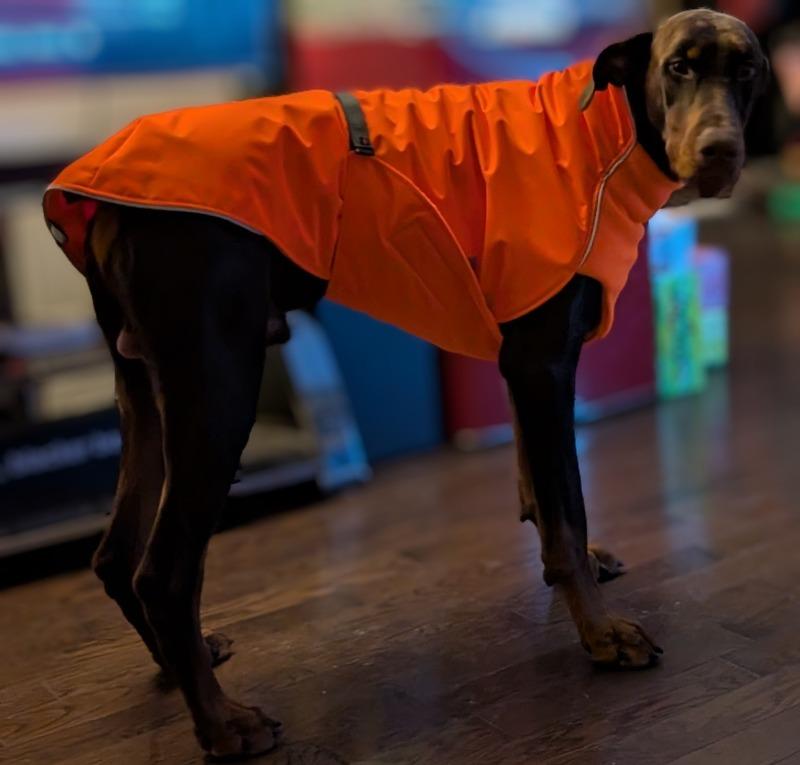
{"points": [[720, 151], [716, 147]]}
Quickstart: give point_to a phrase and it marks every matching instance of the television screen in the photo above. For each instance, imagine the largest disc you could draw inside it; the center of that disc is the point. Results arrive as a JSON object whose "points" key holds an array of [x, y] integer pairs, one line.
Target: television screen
{"points": [[42, 38], [507, 39]]}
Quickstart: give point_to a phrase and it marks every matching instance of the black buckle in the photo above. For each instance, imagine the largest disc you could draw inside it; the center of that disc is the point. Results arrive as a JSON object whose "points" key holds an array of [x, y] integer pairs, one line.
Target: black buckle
{"points": [[357, 124]]}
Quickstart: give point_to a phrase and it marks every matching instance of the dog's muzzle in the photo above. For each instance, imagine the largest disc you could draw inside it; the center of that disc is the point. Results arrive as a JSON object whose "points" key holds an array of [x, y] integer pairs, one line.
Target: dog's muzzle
{"points": [[720, 156]]}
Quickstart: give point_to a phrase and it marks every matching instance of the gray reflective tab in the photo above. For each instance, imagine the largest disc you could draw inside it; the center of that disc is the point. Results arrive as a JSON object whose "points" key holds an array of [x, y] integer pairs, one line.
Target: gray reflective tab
{"points": [[57, 233]]}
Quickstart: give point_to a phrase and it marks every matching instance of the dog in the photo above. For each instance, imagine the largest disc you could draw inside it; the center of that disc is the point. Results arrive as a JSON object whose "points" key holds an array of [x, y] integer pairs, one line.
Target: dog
{"points": [[191, 284]]}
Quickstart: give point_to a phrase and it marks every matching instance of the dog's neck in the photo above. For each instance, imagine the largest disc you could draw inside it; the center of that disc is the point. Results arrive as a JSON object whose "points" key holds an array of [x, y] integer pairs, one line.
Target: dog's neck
{"points": [[646, 133]]}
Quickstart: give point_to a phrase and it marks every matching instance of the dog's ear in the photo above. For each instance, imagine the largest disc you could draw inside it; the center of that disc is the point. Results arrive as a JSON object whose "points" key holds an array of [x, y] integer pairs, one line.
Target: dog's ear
{"points": [[762, 81], [618, 63], [765, 75]]}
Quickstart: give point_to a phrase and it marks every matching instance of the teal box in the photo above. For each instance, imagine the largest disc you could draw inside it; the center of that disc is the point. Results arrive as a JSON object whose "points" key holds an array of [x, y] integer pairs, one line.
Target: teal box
{"points": [[712, 265], [680, 363], [714, 328]]}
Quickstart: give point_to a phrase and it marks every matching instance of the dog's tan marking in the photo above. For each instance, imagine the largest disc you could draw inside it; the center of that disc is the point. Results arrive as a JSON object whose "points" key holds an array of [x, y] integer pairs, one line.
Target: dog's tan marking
{"points": [[527, 499], [733, 40]]}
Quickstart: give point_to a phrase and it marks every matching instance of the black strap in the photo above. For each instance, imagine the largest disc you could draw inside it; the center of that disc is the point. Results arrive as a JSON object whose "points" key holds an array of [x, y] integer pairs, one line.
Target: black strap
{"points": [[357, 124]]}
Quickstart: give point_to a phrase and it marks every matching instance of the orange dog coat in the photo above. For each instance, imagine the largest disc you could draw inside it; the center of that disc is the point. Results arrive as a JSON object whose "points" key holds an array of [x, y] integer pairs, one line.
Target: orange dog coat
{"points": [[481, 202]]}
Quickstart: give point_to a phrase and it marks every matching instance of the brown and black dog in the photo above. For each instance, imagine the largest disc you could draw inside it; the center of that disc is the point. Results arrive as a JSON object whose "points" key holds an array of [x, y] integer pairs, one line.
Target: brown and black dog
{"points": [[189, 302]]}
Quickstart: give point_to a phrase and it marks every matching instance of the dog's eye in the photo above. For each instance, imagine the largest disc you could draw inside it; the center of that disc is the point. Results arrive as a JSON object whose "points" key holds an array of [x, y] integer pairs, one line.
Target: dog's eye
{"points": [[679, 68], [746, 72]]}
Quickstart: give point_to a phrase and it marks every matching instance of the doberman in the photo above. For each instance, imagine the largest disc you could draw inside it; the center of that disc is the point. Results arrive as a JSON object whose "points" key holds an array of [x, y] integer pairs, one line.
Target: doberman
{"points": [[188, 303]]}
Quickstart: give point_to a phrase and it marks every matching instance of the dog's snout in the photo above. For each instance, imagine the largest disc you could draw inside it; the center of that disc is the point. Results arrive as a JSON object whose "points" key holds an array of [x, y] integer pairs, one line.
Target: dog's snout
{"points": [[720, 151], [719, 148], [725, 151], [719, 158]]}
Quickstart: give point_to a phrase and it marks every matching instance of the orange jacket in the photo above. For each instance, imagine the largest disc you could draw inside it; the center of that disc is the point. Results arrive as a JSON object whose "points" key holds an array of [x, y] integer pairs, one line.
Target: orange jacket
{"points": [[481, 202]]}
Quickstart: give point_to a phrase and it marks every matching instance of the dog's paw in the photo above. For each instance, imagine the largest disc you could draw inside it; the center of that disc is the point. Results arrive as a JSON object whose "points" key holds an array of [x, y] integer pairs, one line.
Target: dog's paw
{"points": [[219, 647], [239, 731], [605, 565], [621, 644]]}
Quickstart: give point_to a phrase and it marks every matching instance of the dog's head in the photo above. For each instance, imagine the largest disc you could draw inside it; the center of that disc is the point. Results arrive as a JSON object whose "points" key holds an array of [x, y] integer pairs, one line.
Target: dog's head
{"points": [[700, 74]]}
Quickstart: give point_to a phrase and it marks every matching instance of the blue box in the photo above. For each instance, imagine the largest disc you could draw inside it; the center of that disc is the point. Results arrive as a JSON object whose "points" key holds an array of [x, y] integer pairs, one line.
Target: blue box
{"points": [[392, 379], [672, 238]]}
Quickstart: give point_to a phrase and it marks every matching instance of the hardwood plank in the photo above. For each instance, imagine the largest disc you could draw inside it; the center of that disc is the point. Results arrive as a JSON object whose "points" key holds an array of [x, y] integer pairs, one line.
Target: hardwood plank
{"points": [[691, 729], [764, 742]]}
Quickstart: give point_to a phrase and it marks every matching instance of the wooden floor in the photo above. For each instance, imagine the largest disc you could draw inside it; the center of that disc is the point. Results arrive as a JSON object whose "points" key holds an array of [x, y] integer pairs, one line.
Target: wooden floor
{"points": [[406, 622]]}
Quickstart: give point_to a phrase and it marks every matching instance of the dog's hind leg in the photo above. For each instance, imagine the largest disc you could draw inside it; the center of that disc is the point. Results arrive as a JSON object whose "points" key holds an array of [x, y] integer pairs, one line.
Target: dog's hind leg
{"points": [[138, 490], [200, 319], [141, 470]]}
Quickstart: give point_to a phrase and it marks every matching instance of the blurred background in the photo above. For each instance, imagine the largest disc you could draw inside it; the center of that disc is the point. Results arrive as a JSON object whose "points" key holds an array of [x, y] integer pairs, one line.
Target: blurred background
{"points": [[347, 393]]}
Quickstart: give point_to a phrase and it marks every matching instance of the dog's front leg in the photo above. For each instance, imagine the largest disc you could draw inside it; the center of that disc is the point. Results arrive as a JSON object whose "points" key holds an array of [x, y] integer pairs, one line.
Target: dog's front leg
{"points": [[605, 565], [539, 358]]}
